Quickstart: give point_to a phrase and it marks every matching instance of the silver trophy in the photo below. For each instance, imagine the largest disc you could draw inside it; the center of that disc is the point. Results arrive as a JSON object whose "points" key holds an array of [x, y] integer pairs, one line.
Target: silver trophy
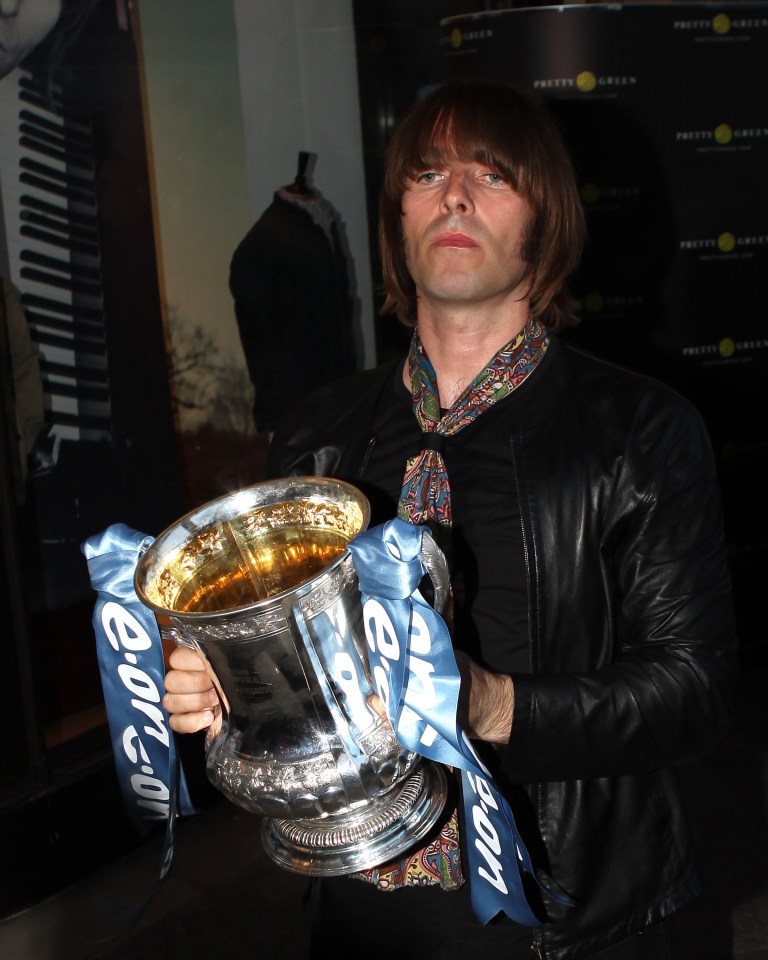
{"points": [[261, 583]]}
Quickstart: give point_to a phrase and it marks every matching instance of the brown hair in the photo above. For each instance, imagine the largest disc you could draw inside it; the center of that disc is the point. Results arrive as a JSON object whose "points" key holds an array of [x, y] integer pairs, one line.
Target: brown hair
{"points": [[496, 125]]}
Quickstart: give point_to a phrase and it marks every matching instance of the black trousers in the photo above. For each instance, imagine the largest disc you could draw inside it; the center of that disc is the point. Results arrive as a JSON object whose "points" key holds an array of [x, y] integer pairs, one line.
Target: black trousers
{"points": [[353, 920]]}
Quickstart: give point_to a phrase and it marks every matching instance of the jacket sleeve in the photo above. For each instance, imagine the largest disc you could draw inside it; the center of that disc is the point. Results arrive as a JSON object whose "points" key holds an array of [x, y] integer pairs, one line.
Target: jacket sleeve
{"points": [[330, 431], [655, 686]]}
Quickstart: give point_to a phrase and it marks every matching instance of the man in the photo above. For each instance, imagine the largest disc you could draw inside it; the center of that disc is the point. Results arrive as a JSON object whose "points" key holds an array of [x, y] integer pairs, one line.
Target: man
{"points": [[579, 509]]}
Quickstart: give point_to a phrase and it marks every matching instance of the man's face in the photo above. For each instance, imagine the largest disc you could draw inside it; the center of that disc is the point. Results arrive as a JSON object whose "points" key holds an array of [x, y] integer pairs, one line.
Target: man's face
{"points": [[464, 228], [24, 24]]}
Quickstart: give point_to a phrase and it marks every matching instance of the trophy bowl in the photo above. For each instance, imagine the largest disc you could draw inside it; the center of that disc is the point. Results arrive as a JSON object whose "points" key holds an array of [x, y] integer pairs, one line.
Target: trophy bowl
{"points": [[261, 584]]}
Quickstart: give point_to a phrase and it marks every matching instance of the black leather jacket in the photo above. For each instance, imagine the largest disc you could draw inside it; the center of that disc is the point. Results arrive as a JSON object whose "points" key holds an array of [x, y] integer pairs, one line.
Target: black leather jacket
{"points": [[632, 643]]}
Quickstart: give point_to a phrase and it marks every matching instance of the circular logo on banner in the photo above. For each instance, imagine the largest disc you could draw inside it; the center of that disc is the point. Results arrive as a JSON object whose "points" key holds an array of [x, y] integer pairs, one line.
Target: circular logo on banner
{"points": [[590, 193], [455, 37], [726, 242], [726, 347], [721, 23], [723, 133], [586, 81]]}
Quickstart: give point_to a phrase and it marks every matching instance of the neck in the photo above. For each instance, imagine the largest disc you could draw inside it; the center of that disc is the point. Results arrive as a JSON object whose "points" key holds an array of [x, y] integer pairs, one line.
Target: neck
{"points": [[460, 345]]}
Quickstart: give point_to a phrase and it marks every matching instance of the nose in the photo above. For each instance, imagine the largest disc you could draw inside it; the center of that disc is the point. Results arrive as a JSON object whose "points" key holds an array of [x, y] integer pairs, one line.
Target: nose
{"points": [[457, 195]]}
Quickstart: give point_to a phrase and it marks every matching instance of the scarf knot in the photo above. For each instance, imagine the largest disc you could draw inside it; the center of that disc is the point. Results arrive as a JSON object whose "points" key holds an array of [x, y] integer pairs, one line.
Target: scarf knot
{"points": [[426, 493]]}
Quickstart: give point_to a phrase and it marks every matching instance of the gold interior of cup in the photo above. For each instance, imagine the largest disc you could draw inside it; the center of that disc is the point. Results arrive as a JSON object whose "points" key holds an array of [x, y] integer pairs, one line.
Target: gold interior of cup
{"points": [[240, 561]]}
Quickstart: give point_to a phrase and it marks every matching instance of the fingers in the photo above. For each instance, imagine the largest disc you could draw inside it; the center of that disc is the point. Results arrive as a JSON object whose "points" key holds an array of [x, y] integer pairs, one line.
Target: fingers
{"points": [[190, 697], [187, 681], [192, 710], [190, 721], [184, 658]]}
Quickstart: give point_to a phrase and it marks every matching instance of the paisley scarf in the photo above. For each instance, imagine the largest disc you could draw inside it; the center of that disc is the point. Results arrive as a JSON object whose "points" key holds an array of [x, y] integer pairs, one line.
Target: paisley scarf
{"points": [[426, 495]]}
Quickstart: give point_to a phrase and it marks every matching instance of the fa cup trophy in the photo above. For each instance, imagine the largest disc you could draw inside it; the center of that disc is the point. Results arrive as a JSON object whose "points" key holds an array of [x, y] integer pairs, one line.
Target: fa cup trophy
{"points": [[261, 584]]}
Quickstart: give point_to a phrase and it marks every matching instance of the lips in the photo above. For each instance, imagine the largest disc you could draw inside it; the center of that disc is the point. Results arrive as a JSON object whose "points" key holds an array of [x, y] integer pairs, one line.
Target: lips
{"points": [[454, 240]]}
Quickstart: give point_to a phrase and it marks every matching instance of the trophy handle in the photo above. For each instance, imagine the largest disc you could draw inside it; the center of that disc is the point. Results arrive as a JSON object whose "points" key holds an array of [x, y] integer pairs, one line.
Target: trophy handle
{"points": [[174, 635], [437, 567]]}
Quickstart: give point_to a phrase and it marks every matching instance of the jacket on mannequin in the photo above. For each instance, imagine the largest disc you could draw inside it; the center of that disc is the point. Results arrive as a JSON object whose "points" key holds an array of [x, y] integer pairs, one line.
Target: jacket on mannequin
{"points": [[289, 281]]}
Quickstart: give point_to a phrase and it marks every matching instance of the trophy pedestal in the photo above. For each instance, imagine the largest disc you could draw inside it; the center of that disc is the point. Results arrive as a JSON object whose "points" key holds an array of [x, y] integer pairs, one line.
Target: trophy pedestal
{"points": [[385, 828]]}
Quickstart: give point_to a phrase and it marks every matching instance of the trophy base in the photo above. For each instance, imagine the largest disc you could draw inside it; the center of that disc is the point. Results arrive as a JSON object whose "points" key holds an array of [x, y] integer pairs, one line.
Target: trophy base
{"points": [[382, 830]]}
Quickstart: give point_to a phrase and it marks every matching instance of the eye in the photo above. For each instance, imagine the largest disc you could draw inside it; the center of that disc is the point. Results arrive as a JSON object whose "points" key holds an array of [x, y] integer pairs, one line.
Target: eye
{"points": [[494, 178], [428, 176]]}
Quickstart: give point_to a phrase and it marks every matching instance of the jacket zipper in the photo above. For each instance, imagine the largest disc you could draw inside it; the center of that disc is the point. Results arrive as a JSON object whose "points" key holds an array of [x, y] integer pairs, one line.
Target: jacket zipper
{"points": [[366, 457], [529, 559]]}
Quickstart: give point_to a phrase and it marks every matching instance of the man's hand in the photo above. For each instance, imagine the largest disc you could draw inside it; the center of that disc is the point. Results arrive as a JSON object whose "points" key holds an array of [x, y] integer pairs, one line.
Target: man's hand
{"points": [[486, 701], [190, 697]]}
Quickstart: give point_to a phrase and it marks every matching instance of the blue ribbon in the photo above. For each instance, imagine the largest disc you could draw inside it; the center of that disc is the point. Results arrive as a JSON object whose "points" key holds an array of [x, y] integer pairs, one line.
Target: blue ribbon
{"points": [[416, 675], [132, 669]]}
